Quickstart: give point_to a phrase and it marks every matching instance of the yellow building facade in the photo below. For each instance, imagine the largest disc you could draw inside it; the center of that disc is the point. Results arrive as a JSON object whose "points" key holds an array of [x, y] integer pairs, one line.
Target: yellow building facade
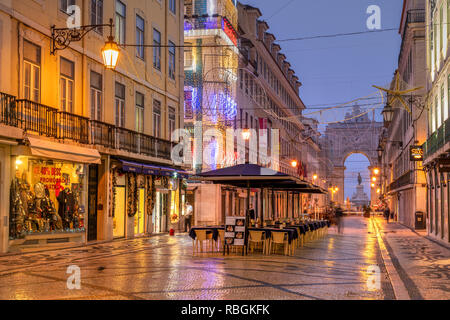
{"points": [[111, 127]]}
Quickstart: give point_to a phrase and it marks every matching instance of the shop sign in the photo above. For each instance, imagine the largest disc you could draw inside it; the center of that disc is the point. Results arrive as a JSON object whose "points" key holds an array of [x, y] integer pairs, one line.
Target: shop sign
{"points": [[416, 153], [158, 181], [235, 231]]}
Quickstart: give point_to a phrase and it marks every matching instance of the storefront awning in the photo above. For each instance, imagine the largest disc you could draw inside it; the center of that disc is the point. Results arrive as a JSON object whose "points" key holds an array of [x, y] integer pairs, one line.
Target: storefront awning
{"points": [[153, 170], [61, 151]]}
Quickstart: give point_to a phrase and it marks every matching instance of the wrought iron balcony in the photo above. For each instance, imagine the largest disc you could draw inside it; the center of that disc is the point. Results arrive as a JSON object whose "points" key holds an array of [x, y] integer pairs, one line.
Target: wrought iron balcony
{"points": [[73, 127], [35, 117], [103, 134], [407, 178], [415, 16], [437, 139], [47, 121], [8, 110]]}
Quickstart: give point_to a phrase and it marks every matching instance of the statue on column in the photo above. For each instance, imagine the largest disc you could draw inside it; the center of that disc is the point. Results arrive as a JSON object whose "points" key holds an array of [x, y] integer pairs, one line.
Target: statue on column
{"points": [[359, 178]]}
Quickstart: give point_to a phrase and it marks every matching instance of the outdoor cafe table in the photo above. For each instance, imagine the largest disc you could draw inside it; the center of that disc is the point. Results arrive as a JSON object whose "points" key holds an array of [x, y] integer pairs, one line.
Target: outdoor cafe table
{"points": [[292, 233], [213, 229]]}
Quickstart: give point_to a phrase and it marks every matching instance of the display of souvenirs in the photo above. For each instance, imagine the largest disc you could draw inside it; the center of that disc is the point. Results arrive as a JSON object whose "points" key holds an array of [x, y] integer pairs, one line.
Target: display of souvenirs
{"points": [[33, 208]]}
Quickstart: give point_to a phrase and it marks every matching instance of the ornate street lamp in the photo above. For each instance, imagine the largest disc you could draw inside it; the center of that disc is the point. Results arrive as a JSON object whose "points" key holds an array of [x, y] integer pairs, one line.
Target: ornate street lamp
{"points": [[63, 37], [110, 53], [380, 153], [388, 114]]}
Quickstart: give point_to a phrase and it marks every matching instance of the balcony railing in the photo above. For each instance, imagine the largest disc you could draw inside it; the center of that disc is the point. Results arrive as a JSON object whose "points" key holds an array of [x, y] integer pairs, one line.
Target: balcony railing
{"points": [[8, 113], [437, 140], [73, 127], [102, 134], [47, 121], [127, 140], [407, 178], [416, 16], [36, 117]]}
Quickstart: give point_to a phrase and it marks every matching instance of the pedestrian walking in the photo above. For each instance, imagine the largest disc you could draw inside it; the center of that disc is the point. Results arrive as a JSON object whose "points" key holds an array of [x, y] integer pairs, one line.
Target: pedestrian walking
{"points": [[339, 213], [188, 217], [387, 213]]}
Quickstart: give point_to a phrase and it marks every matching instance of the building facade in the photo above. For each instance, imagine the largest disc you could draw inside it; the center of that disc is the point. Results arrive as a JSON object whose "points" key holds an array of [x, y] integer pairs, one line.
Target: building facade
{"points": [[238, 81], [404, 181], [86, 151], [437, 145]]}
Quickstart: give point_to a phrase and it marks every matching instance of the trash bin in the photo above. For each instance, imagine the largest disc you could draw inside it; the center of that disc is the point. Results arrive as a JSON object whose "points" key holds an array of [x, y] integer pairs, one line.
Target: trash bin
{"points": [[420, 220]]}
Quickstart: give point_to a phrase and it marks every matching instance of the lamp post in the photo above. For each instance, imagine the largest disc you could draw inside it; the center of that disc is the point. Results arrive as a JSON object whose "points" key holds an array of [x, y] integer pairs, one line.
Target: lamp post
{"points": [[62, 37]]}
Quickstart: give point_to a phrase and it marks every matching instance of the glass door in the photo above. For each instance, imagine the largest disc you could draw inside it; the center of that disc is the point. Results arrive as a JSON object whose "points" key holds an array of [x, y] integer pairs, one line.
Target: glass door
{"points": [[157, 214], [119, 213], [139, 217]]}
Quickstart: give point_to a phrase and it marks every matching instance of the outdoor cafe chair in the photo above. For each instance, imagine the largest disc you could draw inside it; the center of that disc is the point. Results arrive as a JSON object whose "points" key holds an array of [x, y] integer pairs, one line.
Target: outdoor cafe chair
{"points": [[280, 238], [200, 237], [255, 238]]}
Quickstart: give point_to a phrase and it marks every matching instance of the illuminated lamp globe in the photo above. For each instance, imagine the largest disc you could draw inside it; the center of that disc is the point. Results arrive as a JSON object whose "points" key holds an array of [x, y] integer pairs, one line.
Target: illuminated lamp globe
{"points": [[110, 53], [294, 163], [246, 134]]}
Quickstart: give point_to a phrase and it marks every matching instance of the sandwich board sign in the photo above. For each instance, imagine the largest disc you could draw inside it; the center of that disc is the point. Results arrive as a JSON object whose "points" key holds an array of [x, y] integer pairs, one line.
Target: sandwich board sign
{"points": [[235, 229]]}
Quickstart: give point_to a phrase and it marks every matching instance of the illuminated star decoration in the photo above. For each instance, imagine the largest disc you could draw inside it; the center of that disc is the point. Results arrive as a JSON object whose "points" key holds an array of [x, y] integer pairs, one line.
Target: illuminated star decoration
{"points": [[396, 94]]}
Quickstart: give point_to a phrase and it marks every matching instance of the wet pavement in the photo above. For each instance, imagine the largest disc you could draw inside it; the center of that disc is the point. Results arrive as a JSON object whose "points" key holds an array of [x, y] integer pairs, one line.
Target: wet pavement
{"points": [[423, 265], [162, 267]]}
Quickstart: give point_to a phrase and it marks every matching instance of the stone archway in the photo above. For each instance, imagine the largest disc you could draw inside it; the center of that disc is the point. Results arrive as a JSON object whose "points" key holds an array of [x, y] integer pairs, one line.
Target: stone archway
{"points": [[359, 135]]}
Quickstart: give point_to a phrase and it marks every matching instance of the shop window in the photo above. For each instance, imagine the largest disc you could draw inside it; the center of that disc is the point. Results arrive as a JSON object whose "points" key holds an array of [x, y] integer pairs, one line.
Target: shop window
{"points": [[32, 71], [46, 197]]}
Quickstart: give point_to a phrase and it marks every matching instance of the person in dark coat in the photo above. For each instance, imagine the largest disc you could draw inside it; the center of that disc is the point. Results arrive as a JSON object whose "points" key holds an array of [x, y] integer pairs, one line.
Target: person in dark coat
{"points": [[339, 213], [387, 213], [251, 213]]}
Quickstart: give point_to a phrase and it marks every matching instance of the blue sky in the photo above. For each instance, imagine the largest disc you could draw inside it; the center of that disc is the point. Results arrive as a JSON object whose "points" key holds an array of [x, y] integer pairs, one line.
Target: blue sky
{"points": [[335, 70]]}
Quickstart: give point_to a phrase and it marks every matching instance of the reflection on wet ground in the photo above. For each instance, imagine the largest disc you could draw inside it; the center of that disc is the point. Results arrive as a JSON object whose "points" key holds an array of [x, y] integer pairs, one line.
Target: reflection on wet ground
{"points": [[163, 267]]}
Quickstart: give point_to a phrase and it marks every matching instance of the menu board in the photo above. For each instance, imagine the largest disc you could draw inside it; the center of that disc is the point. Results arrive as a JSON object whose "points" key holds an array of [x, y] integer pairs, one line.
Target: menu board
{"points": [[235, 231]]}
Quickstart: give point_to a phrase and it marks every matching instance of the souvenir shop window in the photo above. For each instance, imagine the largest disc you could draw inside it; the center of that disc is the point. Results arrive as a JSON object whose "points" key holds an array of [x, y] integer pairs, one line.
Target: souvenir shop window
{"points": [[46, 197]]}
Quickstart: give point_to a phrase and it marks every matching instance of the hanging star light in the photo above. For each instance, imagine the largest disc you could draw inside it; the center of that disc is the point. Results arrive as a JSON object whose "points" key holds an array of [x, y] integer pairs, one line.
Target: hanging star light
{"points": [[396, 94]]}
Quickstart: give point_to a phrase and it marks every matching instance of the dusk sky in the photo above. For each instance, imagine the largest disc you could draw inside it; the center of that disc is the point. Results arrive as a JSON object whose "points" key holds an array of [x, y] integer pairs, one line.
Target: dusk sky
{"points": [[340, 69]]}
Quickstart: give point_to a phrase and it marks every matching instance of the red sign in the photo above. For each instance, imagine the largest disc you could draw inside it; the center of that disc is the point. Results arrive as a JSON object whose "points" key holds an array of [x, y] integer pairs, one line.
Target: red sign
{"points": [[229, 31]]}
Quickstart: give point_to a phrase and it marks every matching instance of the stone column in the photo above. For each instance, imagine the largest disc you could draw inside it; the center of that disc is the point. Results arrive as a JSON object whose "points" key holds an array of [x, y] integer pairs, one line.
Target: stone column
{"points": [[337, 180]]}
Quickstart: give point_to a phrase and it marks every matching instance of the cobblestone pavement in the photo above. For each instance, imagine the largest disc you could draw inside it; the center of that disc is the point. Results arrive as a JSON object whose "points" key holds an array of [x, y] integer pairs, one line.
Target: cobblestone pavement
{"points": [[163, 267], [423, 266]]}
